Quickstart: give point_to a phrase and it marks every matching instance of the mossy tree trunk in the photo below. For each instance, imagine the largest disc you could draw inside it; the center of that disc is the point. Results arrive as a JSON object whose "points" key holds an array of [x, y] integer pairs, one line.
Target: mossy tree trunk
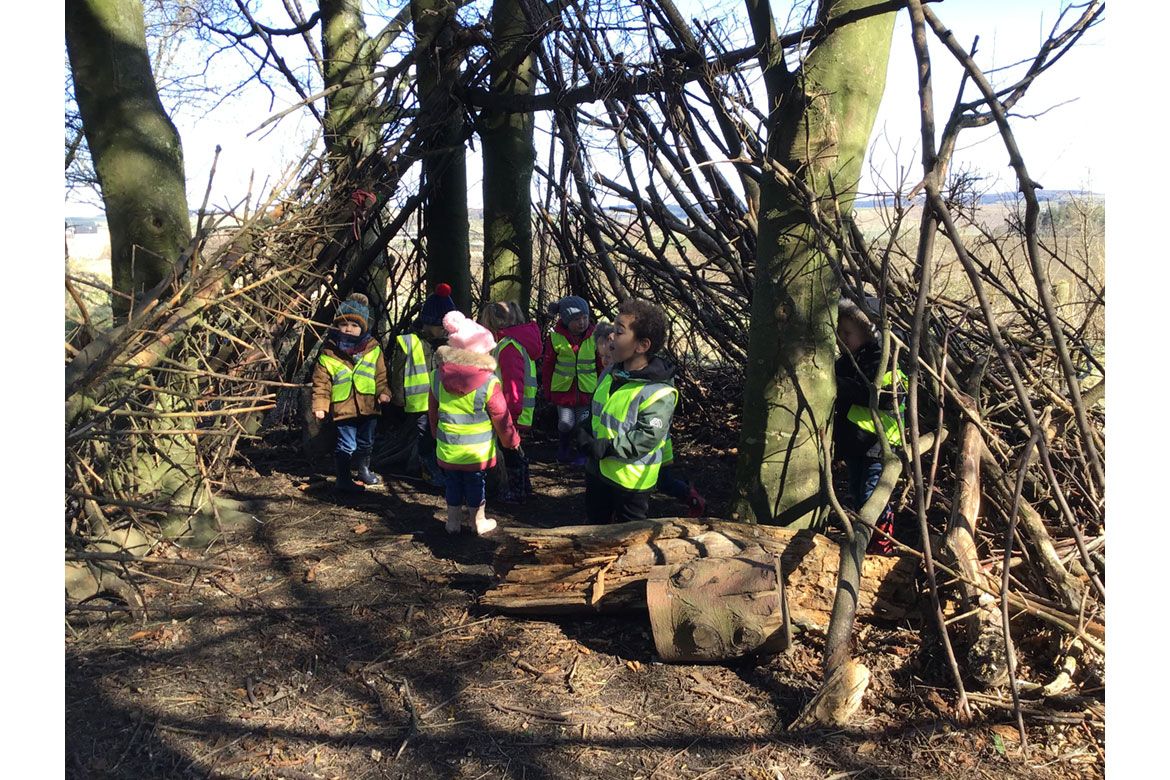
{"points": [[445, 223], [508, 158], [136, 150], [351, 124], [821, 116]]}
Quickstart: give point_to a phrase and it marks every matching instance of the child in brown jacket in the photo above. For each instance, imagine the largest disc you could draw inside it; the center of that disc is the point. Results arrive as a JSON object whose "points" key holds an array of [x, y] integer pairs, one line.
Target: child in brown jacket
{"points": [[349, 383]]}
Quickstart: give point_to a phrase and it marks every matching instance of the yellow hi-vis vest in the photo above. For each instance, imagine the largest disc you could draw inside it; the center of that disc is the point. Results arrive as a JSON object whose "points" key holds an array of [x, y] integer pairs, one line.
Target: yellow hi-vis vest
{"points": [[615, 414], [465, 432], [891, 426], [529, 407], [581, 365], [667, 451], [362, 377], [416, 379]]}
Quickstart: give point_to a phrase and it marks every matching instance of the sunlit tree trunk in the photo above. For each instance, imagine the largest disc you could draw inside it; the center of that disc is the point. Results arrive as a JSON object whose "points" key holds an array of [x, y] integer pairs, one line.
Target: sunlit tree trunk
{"points": [[820, 120], [136, 150], [508, 158]]}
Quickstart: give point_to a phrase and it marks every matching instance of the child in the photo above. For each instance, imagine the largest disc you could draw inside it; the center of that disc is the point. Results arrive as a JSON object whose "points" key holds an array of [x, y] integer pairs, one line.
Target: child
{"points": [[517, 344], [632, 408], [349, 383], [569, 371], [854, 434], [466, 405], [410, 379], [669, 480]]}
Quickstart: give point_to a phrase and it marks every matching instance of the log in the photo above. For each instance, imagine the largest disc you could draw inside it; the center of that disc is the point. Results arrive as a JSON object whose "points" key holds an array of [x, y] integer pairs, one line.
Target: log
{"points": [[714, 609], [603, 568]]}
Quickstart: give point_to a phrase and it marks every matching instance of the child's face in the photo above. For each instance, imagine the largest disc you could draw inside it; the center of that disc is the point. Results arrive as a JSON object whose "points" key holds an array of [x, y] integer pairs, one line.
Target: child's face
{"points": [[605, 350], [578, 324], [433, 332], [623, 344], [349, 328], [851, 335]]}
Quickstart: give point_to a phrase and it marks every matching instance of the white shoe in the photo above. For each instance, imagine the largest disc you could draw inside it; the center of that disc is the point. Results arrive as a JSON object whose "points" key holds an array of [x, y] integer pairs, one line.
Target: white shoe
{"points": [[454, 519], [483, 524]]}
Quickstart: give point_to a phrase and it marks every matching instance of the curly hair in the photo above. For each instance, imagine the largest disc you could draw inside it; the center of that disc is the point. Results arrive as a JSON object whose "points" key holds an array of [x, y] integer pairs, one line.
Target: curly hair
{"points": [[649, 322]]}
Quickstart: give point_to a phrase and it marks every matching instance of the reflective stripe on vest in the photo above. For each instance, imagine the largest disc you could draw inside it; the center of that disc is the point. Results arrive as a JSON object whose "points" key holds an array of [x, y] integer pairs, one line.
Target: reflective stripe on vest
{"points": [[891, 426], [529, 407], [464, 433], [415, 378], [362, 376], [616, 414], [580, 366]]}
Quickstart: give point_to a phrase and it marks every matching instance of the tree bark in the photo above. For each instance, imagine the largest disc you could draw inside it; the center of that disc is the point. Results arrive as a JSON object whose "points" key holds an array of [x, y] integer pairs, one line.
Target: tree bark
{"points": [[508, 159], [587, 569], [351, 126], [820, 121], [136, 149], [445, 222]]}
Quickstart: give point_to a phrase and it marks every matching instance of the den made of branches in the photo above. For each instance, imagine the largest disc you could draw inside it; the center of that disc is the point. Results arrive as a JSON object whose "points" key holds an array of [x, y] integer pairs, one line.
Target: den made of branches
{"points": [[711, 167]]}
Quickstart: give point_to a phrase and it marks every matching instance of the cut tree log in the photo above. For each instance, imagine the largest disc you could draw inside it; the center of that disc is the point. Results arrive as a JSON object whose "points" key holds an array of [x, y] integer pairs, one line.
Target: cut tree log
{"points": [[713, 609], [602, 568]]}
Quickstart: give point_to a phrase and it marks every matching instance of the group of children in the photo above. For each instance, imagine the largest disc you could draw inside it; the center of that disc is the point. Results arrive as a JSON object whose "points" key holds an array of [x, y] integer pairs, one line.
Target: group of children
{"points": [[471, 388]]}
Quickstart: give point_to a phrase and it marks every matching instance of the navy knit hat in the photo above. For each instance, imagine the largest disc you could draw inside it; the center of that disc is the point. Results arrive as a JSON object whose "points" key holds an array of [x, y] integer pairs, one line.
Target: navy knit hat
{"points": [[436, 306], [356, 309], [570, 307]]}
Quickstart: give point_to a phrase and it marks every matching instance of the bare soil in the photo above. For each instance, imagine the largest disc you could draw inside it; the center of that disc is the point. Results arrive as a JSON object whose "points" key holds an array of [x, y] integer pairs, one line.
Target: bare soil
{"points": [[345, 642]]}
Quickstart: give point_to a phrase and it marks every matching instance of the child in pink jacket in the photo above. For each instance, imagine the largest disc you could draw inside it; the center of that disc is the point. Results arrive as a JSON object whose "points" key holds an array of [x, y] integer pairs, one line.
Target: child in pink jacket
{"points": [[468, 414], [518, 346]]}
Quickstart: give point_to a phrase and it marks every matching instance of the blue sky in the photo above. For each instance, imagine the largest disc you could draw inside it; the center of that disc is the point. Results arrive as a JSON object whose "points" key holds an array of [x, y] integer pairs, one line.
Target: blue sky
{"points": [[1059, 144]]}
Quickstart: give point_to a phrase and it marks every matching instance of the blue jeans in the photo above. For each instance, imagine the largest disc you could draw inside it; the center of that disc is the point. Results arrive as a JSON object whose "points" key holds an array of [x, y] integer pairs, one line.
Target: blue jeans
{"points": [[670, 484], [465, 488], [864, 474], [356, 435]]}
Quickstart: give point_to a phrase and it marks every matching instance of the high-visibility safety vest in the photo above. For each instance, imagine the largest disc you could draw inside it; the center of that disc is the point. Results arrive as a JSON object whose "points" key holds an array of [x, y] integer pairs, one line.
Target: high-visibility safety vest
{"points": [[464, 433], [581, 365], [416, 379], [667, 451], [615, 414], [891, 426], [363, 377], [529, 407]]}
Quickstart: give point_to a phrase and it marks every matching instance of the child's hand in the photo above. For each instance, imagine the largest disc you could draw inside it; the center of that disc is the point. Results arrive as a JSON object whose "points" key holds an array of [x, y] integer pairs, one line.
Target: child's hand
{"points": [[383, 399], [319, 414]]}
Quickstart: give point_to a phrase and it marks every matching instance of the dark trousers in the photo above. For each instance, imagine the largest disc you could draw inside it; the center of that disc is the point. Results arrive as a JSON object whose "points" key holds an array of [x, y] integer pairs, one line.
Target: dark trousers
{"points": [[356, 435], [864, 474], [671, 484], [605, 502], [464, 488]]}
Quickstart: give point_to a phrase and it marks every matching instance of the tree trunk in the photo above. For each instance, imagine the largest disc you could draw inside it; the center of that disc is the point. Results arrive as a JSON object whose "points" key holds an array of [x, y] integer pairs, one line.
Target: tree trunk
{"points": [[587, 568], [351, 127], [445, 223], [136, 150], [821, 118], [508, 159]]}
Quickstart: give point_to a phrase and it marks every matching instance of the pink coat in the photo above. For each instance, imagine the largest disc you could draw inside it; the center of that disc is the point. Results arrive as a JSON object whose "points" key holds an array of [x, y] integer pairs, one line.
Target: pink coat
{"points": [[573, 396], [512, 367], [461, 372]]}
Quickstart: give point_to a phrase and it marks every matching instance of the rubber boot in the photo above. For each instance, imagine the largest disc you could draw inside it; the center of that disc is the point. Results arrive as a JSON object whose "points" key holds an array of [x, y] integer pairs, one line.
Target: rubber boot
{"points": [[564, 450], [525, 470], [345, 483], [361, 464], [483, 524], [454, 519], [696, 502]]}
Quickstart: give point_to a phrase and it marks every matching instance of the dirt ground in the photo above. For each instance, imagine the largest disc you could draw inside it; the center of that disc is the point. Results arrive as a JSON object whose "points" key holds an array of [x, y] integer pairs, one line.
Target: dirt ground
{"points": [[343, 640]]}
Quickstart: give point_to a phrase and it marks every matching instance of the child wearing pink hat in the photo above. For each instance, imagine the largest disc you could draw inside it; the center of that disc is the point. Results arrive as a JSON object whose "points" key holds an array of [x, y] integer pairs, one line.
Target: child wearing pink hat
{"points": [[468, 413]]}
